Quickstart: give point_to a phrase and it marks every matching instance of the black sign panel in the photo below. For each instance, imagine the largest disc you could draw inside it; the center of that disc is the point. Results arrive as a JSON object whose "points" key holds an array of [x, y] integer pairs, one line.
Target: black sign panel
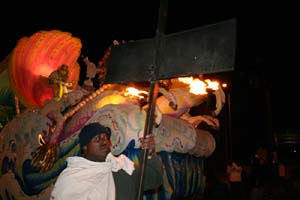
{"points": [[204, 50]]}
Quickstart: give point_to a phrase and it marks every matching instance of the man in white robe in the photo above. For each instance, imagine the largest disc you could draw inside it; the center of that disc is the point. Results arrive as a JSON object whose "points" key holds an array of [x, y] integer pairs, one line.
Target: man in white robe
{"points": [[100, 175]]}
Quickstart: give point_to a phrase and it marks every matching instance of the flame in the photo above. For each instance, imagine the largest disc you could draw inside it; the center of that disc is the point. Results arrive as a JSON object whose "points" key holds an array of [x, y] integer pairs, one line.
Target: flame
{"points": [[198, 86], [214, 85], [133, 92]]}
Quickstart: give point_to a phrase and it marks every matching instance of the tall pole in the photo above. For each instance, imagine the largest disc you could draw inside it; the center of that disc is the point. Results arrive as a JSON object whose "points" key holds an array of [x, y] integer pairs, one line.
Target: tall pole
{"points": [[162, 15], [227, 130], [229, 134]]}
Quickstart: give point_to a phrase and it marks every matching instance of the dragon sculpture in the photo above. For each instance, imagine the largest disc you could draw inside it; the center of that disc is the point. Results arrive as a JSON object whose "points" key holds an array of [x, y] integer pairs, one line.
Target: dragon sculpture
{"points": [[35, 144]]}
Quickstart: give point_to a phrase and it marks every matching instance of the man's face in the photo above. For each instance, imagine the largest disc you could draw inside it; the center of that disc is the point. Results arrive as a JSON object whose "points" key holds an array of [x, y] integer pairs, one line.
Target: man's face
{"points": [[98, 148]]}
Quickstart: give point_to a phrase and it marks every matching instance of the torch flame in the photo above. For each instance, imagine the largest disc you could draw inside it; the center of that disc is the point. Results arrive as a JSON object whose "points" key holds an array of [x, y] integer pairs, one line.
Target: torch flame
{"points": [[214, 85], [133, 92], [198, 86]]}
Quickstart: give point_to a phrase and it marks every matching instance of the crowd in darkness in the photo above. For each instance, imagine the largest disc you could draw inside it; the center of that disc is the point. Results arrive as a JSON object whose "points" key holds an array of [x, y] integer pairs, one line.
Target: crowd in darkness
{"points": [[263, 178]]}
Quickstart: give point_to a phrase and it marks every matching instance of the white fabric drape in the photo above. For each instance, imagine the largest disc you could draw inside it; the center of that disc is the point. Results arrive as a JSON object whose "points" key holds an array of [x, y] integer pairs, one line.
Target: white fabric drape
{"points": [[88, 180]]}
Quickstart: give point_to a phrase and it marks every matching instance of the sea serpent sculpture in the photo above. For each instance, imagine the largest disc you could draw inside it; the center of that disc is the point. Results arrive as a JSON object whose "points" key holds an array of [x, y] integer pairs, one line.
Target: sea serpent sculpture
{"points": [[37, 142]]}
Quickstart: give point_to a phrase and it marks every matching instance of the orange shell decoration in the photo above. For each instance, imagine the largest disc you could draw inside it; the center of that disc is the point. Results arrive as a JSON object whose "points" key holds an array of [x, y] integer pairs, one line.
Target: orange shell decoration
{"points": [[35, 57]]}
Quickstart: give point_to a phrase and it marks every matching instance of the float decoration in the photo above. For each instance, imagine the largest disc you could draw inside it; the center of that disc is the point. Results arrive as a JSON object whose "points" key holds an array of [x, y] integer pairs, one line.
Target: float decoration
{"points": [[35, 57], [47, 135]]}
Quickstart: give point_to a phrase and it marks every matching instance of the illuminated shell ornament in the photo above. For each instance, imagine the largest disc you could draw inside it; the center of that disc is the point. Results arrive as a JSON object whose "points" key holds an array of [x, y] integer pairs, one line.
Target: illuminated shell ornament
{"points": [[35, 57]]}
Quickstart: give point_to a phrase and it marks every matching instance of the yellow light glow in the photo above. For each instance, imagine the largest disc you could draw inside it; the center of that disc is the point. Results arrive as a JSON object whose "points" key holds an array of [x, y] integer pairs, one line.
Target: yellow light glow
{"points": [[111, 99]]}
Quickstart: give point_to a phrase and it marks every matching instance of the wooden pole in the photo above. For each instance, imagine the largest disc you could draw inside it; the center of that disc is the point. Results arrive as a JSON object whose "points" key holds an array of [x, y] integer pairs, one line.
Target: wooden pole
{"points": [[153, 89]]}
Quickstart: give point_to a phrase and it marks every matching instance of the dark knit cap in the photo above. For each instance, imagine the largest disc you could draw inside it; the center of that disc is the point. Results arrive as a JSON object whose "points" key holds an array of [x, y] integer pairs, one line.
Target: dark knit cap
{"points": [[90, 131]]}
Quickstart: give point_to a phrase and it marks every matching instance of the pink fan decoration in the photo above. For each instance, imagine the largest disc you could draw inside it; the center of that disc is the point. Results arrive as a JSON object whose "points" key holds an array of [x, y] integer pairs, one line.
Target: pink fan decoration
{"points": [[35, 57]]}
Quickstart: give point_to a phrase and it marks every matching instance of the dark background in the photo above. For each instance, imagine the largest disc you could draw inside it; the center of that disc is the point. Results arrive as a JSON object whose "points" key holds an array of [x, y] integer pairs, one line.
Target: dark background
{"points": [[263, 87]]}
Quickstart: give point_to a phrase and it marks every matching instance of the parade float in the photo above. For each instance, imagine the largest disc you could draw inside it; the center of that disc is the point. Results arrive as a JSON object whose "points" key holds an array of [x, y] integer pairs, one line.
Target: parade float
{"points": [[40, 80]]}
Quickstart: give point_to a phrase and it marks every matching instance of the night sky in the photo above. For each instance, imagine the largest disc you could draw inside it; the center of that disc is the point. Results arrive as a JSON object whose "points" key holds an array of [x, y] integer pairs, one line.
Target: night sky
{"points": [[264, 84]]}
